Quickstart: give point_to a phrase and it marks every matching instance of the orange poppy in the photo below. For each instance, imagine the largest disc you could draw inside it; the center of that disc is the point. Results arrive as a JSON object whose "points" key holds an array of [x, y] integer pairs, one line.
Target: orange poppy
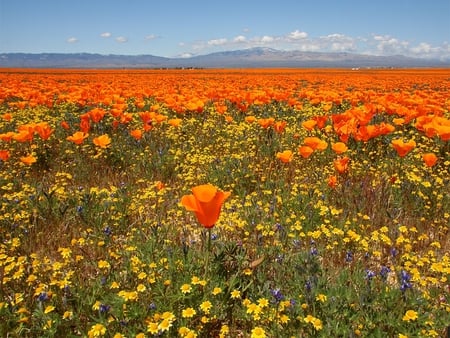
{"points": [[102, 141], [160, 118], [285, 156], [332, 181], [229, 118], [205, 201], [403, 148], [341, 164], [85, 126], [147, 119], [23, 136], [221, 108], [279, 126], [305, 151], [97, 114], [4, 155], [309, 124], [125, 118], [321, 121], [398, 121], [315, 143], [174, 122], [44, 130], [136, 133], [430, 159], [339, 147], [65, 125], [159, 185], [266, 123], [7, 116], [28, 160], [250, 119], [6, 137], [78, 137]]}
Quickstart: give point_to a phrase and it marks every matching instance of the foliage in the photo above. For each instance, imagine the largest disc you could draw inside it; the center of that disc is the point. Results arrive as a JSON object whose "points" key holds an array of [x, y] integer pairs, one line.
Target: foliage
{"points": [[337, 223]]}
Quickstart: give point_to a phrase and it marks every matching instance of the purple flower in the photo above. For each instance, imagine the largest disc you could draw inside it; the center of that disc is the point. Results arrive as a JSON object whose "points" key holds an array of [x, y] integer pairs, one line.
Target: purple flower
{"points": [[104, 308], [394, 252], [405, 281], [276, 293], [43, 296], [369, 274], [348, 257], [384, 272], [107, 231]]}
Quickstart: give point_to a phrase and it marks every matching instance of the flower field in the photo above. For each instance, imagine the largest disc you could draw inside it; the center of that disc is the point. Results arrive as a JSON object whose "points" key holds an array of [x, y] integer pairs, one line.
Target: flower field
{"points": [[224, 203]]}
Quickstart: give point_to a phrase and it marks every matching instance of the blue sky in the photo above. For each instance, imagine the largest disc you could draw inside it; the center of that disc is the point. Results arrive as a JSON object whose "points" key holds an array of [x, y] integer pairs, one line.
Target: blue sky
{"points": [[182, 28]]}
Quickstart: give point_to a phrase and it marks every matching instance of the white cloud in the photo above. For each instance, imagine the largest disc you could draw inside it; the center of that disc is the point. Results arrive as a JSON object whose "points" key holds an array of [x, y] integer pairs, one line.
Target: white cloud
{"points": [[150, 37], [267, 39], [105, 35], [422, 48], [240, 38], [375, 44], [217, 42], [387, 45], [72, 40], [186, 55], [121, 39], [296, 35], [339, 43]]}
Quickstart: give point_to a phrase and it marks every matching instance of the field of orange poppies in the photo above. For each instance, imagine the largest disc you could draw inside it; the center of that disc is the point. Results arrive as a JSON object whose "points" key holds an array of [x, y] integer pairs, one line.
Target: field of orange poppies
{"points": [[225, 203]]}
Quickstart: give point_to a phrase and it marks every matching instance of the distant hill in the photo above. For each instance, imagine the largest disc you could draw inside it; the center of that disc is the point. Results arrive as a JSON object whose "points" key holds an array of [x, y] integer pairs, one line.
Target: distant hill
{"points": [[246, 58]]}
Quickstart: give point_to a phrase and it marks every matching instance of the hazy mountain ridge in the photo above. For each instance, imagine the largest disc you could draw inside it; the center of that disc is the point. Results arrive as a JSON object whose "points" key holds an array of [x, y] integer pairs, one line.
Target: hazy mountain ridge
{"points": [[244, 58]]}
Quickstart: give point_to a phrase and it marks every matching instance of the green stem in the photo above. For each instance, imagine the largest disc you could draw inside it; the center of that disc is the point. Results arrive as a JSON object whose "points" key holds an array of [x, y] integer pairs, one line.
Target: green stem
{"points": [[209, 239], [207, 254]]}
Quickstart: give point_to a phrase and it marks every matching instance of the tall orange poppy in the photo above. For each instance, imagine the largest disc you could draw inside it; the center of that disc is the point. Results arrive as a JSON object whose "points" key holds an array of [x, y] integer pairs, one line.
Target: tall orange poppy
{"points": [[206, 202]]}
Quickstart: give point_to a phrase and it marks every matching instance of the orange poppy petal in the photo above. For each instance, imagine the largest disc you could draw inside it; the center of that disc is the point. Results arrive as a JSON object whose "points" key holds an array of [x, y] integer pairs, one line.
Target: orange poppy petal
{"points": [[189, 202], [210, 211], [205, 192]]}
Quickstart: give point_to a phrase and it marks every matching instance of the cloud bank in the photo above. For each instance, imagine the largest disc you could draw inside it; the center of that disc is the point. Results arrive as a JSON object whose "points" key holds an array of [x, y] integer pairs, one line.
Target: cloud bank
{"points": [[336, 42]]}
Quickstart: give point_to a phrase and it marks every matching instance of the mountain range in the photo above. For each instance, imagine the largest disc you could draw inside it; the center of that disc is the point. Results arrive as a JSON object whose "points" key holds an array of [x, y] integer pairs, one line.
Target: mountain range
{"points": [[259, 57]]}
